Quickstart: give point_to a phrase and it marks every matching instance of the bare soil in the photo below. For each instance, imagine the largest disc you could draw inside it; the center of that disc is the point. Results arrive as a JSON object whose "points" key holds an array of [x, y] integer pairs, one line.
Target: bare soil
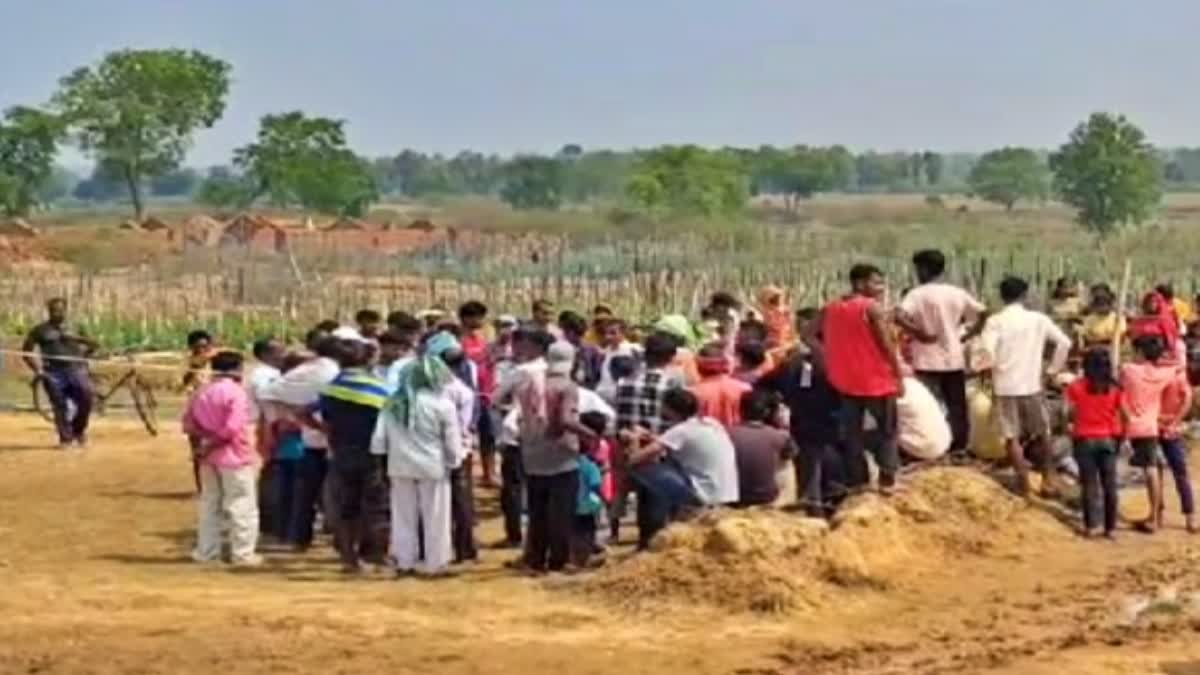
{"points": [[96, 579]]}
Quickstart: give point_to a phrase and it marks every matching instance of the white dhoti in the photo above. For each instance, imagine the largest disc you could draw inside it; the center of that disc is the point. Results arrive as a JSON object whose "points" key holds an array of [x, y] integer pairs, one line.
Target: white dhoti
{"points": [[231, 494], [426, 503]]}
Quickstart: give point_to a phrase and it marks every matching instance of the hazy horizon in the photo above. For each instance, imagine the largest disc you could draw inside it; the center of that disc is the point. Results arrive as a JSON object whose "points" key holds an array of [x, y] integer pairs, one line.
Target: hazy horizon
{"points": [[532, 75]]}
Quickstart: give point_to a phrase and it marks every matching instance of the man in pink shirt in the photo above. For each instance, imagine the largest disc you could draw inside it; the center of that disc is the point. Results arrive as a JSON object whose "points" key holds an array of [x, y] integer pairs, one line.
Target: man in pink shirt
{"points": [[718, 393], [940, 316], [216, 422]]}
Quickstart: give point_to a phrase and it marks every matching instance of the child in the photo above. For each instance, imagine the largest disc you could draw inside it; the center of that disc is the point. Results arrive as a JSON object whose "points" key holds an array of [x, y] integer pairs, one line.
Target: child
{"points": [[1143, 383], [200, 351], [1094, 402], [1176, 403], [215, 422], [593, 474]]}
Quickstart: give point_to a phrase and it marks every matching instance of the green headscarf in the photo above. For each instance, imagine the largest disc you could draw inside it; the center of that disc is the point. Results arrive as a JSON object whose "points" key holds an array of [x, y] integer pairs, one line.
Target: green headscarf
{"points": [[428, 371], [679, 326]]}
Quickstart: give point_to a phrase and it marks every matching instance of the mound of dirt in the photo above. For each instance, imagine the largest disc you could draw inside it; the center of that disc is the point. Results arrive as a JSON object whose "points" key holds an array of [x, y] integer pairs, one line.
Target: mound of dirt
{"points": [[772, 561]]}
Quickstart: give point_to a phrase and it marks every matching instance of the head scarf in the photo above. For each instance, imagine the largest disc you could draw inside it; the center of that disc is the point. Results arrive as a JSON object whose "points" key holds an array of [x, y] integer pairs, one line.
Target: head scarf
{"points": [[427, 372], [776, 315], [679, 326]]}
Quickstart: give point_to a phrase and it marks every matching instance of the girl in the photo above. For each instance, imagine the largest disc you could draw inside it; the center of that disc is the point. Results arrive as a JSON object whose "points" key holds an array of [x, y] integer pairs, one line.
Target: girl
{"points": [[1094, 402]]}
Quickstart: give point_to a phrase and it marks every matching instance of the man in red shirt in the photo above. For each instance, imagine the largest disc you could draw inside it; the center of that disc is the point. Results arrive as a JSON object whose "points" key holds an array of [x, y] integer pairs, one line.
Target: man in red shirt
{"points": [[863, 365]]}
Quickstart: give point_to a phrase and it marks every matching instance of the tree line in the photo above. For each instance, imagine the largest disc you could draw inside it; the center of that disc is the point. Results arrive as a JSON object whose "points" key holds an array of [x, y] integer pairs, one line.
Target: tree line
{"points": [[135, 113]]}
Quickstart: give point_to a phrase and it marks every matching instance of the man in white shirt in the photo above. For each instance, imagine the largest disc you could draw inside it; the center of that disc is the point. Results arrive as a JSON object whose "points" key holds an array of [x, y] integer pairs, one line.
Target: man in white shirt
{"points": [[269, 353], [936, 314], [1016, 339]]}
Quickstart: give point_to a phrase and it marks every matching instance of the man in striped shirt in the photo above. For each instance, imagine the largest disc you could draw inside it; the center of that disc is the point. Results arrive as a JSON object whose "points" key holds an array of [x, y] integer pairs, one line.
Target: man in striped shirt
{"points": [[348, 409]]}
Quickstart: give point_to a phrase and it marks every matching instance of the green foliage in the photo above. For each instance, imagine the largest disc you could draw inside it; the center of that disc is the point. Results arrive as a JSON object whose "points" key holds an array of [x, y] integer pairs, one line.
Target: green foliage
{"points": [[1008, 175], [137, 109], [28, 143], [801, 172], [1108, 172], [177, 183], [532, 182], [225, 192], [687, 180], [104, 184], [300, 160], [58, 185]]}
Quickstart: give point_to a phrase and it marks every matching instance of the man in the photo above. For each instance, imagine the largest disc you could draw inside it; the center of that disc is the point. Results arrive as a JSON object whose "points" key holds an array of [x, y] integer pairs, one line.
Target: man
{"points": [[550, 434], [349, 408], [395, 352], [406, 326], [215, 422], [299, 389], [268, 354], [462, 390], [589, 360], [695, 447], [542, 312], [718, 392], [200, 350], [60, 367], [863, 365], [760, 448], [1016, 339], [935, 313], [476, 344], [370, 323]]}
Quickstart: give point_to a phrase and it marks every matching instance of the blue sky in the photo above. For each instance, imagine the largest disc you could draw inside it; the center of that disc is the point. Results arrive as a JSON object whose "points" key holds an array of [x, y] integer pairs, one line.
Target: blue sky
{"points": [[530, 75]]}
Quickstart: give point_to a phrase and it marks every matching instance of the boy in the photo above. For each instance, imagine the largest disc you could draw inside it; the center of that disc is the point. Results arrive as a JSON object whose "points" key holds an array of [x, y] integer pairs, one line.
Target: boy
{"points": [[200, 351], [215, 423], [1016, 339], [369, 322]]}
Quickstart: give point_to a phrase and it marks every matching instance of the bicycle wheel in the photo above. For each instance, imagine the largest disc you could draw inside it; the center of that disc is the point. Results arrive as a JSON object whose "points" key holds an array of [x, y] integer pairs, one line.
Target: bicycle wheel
{"points": [[145, 404], [41, 401]]}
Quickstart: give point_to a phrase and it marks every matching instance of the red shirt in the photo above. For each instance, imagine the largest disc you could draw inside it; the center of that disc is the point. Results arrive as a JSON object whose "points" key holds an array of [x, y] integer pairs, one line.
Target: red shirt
{"points": [[477, 348], [720, 397], [1097, 416], [854, 360]]}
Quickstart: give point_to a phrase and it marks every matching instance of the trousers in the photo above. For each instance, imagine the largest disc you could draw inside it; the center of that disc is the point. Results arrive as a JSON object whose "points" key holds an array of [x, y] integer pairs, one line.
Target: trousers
{"points": [[462, 511], [227, 497], [306, 493], [1097, 461], [66, 387], [950, 387], [1175, 452], [887, 451], [551, 520], [421, 524], [512, 492]]}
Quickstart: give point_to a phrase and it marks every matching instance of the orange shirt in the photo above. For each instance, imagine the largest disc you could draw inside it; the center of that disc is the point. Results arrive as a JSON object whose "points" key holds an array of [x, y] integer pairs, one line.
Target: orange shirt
{"points": [[720, 398]]}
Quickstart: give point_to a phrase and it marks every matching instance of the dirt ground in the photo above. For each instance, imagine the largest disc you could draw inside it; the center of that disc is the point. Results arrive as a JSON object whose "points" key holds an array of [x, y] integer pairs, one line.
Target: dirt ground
{"points": [[96, 579]]}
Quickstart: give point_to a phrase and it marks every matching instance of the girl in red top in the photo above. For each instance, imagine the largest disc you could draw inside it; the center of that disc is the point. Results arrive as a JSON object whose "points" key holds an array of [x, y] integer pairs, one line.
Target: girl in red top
{"points": [[1097, 423]]}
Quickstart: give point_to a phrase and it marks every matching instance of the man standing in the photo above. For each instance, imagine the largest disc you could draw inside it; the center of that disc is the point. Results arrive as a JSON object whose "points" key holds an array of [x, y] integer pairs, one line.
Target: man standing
{"points": [[864, 367], [61, 370], [1016, 339], [934, 313]]}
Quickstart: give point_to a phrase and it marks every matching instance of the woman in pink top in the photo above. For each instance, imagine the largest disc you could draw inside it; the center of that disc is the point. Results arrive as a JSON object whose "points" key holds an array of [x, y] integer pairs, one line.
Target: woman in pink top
{"points": [[1143, 384], [864, 367]]}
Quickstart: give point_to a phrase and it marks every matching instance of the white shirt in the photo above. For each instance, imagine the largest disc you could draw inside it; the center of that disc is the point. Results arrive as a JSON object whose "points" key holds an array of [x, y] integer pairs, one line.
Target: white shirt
{"points": [[463, 398], [1016, 339], [704, 450], [301, 387], [390, 374], [430, 448], [922, 428], [940, 310], [503, 402], [256, 383]]}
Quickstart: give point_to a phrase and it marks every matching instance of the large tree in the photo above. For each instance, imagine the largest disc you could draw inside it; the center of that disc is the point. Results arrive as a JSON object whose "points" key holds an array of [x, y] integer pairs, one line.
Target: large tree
{"points": [[1108, 172], [687, 180], [301, 160], [28, 143], [803, 171], [1008, 175], [533, 182]]}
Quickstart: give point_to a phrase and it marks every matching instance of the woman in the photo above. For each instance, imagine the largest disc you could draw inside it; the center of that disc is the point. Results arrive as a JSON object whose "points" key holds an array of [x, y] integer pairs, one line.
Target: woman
{"points": [[420, 433], [1102, 324]]}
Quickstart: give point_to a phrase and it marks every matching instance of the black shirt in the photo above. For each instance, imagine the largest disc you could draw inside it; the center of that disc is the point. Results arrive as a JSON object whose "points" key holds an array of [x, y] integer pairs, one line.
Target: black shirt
{"points": [[812, 401], [51, 342]]}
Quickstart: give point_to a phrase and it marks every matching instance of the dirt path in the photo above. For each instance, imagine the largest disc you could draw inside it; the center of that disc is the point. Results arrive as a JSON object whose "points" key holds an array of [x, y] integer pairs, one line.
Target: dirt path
{"points": [[93, 563]]}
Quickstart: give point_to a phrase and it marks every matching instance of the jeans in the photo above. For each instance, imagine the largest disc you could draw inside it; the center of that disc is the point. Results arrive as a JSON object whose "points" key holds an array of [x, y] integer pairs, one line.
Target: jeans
{"points": [[950, 387], [551, 520], [462, 511], [887, 452], [285, 477], [66, 386], [310, 478], [1097, 460], [820, 477], [664, 493], [512, 496], [1175, 452]]}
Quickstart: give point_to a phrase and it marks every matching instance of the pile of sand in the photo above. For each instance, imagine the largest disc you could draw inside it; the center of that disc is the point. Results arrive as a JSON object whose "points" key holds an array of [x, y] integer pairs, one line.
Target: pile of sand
{"points": [[772, 561]]}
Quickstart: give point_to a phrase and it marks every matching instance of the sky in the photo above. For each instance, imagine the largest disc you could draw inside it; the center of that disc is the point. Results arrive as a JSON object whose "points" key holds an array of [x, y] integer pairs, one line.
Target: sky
{"points": [[511, 76]]}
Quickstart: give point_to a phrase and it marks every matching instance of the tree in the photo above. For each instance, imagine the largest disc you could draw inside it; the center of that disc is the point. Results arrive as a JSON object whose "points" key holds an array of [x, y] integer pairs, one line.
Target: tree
{"points": [[28, 143], [1008, 175], [103, 185], [1108, 172], [300, 160], [137, 109], [533, 182], [934, 166], [178, 183], [58, 185], [224, 190], [805, 171], [687, 180]]}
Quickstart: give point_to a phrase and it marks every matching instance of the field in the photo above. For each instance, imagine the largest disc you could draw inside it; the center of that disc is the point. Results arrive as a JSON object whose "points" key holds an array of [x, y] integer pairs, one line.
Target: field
{"points": [[93, 562]]}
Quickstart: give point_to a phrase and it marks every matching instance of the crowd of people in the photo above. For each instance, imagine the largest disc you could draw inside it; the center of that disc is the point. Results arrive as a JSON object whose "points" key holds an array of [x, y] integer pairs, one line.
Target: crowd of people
{"points": [[375, 428]]}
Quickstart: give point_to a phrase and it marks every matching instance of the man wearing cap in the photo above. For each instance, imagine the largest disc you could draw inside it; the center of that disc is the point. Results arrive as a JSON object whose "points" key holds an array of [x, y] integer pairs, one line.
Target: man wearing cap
{"points": [[549, 432]]}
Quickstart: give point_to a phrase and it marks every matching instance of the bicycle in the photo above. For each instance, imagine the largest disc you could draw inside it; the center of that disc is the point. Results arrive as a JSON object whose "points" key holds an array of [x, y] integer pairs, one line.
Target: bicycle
{"points": [[144, 401]]}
